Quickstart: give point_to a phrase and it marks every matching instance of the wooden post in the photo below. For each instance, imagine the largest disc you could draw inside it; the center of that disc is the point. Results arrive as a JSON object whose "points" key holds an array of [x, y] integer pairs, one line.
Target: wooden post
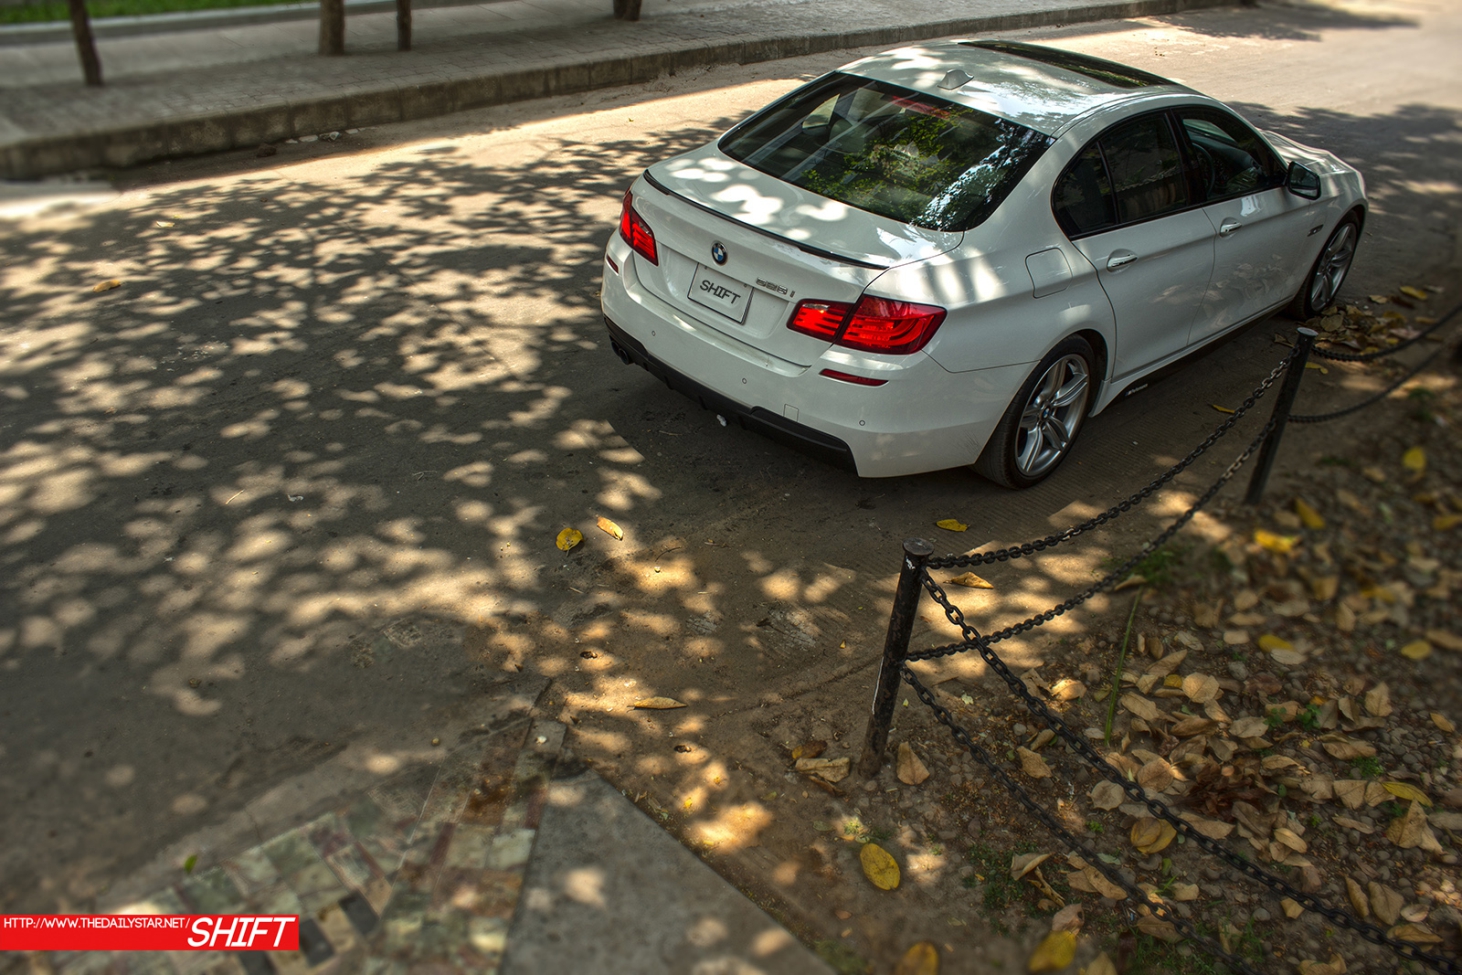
{"points": [[332, 26], [403, 25], [91, 65]]}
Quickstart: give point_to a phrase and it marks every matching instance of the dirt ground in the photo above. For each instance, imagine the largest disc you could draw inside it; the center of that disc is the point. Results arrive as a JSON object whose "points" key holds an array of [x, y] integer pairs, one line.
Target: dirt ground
{"points": [[363, 385]]}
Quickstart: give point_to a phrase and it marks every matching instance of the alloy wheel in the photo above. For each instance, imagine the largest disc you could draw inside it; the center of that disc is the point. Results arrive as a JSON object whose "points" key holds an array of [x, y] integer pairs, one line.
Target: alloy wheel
{"points": [[1049, 420], [1332, 267]]}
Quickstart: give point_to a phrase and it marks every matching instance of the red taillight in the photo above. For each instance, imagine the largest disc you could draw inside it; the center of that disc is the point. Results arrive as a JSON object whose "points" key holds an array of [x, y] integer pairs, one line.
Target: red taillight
{"points": [[848, 377], [820, 319], [873, 325], [636, 232]]}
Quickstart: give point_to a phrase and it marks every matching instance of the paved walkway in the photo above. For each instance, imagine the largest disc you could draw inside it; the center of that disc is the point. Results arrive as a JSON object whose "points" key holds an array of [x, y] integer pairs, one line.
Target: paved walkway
{"points": [[179, 94], [424, 874]]}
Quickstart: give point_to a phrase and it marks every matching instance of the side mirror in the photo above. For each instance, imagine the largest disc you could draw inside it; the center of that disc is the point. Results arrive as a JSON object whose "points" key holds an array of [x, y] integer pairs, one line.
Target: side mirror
{"points": [[1302, 182]]}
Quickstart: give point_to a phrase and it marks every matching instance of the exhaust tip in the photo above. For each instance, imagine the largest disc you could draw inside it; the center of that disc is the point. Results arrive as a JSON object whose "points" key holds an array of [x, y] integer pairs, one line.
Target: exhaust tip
{"points": [[619, 351]]}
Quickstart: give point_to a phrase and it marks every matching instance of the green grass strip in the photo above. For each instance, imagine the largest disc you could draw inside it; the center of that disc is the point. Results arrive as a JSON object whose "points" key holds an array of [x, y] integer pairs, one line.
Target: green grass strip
{"points": [[36, 13], [1117, 674]]}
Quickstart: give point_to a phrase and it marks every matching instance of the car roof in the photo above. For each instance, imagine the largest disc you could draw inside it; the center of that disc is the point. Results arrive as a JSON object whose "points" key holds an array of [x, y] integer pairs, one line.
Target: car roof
{"points": [[1042, 88]]}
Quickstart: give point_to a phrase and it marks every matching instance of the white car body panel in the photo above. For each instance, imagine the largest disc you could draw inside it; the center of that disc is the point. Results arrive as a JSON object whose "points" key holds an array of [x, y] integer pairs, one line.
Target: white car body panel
{"points": [[1014, 286]]}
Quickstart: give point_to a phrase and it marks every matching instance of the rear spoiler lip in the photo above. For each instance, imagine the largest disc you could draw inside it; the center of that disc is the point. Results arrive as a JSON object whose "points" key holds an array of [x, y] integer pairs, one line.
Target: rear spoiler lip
{"points": [[805, 248]]}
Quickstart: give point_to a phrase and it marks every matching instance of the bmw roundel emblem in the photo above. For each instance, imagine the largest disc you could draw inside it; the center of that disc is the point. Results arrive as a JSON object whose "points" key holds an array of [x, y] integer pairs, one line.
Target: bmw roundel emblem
{"points": [[718, 252]]}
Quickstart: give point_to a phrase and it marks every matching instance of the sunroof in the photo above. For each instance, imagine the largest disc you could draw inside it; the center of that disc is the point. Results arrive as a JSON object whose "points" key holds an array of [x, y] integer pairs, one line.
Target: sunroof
{"points": [[1109, 72]]}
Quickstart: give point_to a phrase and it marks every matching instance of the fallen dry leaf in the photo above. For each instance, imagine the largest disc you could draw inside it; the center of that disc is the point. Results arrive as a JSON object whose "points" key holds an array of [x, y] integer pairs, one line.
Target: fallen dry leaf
{"points": [[1200, 688], [879, 866], [1309, 517], [911, 770], [1414, 460], [1359, 901], [1443, 725], [1023, 863], [972, 581], [1404, 790], [1411, 830], [1099, 884], [811, 749], [657, 704], [1067, 689], [1270, 642], [1411, 291], [1184, 892], [1160, 929], [568, 538], [1417, 934], [1248, 728], [1335, 966], [920, 959], [1032, 764], [101, 286], [1291, 908], [951, 525], [1140, 706], [1443, 523], [1279, 544], [832, 770], [1212, 828], [1378, 700], [1107, 795], [1151, 835], [1156, 775], [1355, 824], [1386, 903], [1067, 919], [610, 528], [1347, 748], [1101, 965], [1290, 839], [1352, 792], [1054, 953], [1417, 650], [1445, 640]]}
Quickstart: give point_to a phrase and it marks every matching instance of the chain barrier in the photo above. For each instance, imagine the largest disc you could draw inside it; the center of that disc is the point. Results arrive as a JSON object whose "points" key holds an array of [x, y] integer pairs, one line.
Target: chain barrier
{"points": [[1368, 401], [1121, 507], [1073, 843], [1102, 584], [1391, 350]]}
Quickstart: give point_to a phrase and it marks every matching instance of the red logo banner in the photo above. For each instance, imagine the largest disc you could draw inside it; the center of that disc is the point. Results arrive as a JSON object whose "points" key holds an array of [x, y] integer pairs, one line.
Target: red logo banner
{"points": [[149, 932]]}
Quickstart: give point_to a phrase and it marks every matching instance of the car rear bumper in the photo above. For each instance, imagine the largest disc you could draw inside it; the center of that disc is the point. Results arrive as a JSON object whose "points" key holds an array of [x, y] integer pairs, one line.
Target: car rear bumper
{"points": [[755, 418]]}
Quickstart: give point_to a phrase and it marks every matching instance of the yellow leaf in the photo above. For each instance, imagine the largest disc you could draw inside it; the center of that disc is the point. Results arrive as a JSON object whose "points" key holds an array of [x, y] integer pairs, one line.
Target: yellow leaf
{"points": [[1443, 523], [1054, 953], [1309, 516], [106, 285], [1414, 460], [1281, 544], [658, 704], [971, 580], [1222, 409], [1379, 299], [921, 959], [1416, 293], [568, 538], [951, 525], [610, 528], [1443, 724], [1270, 642], [879, 866], [1417, 650], [1151, 835], [1403, 790], [1442, 638], [1101, 965]]}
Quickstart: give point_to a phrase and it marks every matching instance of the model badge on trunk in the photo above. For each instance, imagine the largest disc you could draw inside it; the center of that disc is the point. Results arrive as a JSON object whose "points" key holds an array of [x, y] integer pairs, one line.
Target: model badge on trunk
{"points": [[718, 252]]}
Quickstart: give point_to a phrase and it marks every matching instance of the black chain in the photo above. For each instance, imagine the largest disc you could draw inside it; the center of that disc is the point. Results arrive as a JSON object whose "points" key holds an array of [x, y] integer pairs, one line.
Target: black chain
{"points": [[1102, 584], [1073, 843], [1159, 809], [1324, 417], [1121, 507], [1382, 353]]}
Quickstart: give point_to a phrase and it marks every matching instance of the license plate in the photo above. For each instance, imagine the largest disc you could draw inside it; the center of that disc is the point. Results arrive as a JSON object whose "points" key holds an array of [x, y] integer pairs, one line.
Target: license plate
{"points": [[717, 291]]}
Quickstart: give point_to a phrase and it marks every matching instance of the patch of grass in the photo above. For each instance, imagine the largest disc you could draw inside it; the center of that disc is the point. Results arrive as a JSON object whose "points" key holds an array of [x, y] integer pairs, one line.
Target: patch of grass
{"points": [[1309, 718], [857, 830], [1275, 718], [1092, 826], [994, 866], [34, 13], [1157, 568], [840, 958], [1423, 400], [1368, 767], [1330, 460], [1154, 957]]}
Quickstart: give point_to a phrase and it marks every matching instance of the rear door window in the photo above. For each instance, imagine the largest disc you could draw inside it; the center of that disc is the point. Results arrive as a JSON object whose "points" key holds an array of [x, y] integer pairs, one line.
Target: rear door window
{"points": [[1146, 168], [888, 150], [1082, 200]]}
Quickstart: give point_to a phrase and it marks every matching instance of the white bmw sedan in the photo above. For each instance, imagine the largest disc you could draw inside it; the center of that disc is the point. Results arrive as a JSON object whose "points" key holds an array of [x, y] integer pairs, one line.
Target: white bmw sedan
{"points": [[954, 253]]}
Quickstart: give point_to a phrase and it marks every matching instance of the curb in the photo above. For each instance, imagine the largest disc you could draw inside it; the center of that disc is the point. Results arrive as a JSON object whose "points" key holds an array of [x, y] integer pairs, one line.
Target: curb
{"points": [[131, 145], [59, 32]]}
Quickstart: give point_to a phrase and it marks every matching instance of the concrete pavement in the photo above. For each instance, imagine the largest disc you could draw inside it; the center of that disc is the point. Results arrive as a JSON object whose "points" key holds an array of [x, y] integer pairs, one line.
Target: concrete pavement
{"points": [[182, 94]]}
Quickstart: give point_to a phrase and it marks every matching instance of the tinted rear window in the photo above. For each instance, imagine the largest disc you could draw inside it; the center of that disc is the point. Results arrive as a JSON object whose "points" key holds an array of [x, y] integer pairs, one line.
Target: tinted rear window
{"points": [[888, 150], [1107, 72]]}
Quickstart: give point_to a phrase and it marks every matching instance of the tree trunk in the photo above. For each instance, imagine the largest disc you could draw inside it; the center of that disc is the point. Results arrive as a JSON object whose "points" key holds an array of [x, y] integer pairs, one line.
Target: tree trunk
{"points": [[403, 25], [91, 65], [332, 26], [632, 9]]}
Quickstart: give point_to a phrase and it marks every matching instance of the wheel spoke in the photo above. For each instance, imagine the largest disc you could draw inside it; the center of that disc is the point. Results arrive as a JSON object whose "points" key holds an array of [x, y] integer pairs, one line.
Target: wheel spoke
{"points": [[1055, 435], [1068, 393], [1026, 459]]}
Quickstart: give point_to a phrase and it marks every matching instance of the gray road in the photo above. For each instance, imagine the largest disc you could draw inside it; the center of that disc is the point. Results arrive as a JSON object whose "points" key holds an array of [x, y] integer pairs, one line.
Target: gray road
{"points": [[367, 381]]}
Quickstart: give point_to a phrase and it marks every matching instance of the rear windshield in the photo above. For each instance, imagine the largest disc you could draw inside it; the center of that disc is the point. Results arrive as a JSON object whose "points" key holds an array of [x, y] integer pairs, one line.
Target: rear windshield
{"points": [[888, 150]]}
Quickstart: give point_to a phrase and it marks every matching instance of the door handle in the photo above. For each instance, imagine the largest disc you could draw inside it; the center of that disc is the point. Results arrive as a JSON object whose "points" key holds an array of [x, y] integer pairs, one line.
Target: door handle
{"points": [[1120, 259], [1227, 228]]}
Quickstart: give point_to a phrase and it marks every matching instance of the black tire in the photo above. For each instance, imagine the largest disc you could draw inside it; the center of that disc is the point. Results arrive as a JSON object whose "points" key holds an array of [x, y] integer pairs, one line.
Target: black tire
{"points": [[1327, 275], [1011, 458]]}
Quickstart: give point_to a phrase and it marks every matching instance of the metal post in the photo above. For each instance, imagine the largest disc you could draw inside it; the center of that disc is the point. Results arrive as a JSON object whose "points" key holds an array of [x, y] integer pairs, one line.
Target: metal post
{"points": [[895, 649], [1283, 403]]}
